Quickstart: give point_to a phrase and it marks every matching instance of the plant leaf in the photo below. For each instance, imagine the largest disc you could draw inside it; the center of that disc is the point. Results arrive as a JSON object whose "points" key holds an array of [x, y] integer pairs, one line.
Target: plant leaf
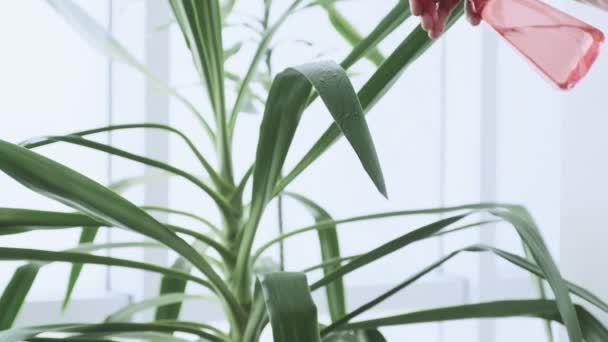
{"points": [[7, 253], [15, 292], [100, 39], [406, 53], [173, 285], [514, 259], [330, 250], [260, 52], [387, 248], [33, 143], [287, 100], [126, 313], [367, 335], [593, 330], [529, 233], [76, 140], [87, 235], [293, 314], [338, 94], [201, 24], [85, 195], [20, 334], [349, 32]]}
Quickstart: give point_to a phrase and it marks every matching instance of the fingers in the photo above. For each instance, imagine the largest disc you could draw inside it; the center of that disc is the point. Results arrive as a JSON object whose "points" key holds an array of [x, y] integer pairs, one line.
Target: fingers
{"points": [[429, 15], [433, 14], [444, 9], [473, 10], [416, 7]]}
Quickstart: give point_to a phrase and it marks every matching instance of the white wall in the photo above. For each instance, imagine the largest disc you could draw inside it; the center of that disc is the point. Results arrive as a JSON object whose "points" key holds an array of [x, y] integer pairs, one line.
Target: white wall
{"points": [[584, 196]]}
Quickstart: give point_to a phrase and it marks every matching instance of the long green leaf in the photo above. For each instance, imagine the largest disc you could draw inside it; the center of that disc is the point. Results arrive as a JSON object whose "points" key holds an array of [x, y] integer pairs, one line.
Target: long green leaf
{"points": [[33, 143], [286, 101], [7, 253], [514, 259], [367, 335], [334, 87], [173, 285], [87, 235], [23, 278], [293, 314], [529, 233], [76, 140], [20, 334], [125, 314], [349, 32], [331, 223], [593, 330], [195, 217], [388, 24], [73, 189], [260, 52], [387, 248], [201, 24], [99, 38], [15, 292], [330, 250], [373, 90]]}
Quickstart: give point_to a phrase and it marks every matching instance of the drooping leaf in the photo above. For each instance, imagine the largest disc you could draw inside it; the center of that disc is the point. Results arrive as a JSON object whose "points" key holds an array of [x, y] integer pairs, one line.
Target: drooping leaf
{"points": [[372, 91], [286, 101], [330, 249], [338, 94], [292, 313]]}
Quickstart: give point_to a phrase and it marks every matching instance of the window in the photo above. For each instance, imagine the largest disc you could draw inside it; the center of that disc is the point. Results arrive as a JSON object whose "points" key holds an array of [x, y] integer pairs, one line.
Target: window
{"points": [[53, 83], [460, 126]]}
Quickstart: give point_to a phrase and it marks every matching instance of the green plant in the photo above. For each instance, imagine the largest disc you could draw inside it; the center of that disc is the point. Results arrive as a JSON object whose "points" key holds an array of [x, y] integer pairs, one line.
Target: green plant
{"points": [[252, 299]]}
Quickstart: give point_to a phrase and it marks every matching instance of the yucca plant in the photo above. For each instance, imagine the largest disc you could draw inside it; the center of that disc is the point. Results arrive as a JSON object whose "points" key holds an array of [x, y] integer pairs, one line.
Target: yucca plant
{"points": [[252, 294]]}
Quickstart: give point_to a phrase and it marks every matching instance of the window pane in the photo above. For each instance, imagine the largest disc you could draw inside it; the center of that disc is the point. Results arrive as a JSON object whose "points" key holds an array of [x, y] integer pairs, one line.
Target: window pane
{"points": [[52, 83]]}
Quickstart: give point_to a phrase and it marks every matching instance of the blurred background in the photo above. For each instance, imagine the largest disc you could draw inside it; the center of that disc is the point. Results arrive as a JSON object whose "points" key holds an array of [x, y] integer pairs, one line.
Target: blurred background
{"points": [[469, 121]]}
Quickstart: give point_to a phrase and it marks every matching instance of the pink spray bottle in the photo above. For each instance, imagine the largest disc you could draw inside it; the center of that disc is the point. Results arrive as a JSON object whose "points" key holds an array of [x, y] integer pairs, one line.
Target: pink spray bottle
{"points": [[560, 46]]}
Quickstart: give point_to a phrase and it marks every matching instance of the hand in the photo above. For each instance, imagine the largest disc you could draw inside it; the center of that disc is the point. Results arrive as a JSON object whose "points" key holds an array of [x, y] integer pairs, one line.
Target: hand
{"points": [[434, 13]]}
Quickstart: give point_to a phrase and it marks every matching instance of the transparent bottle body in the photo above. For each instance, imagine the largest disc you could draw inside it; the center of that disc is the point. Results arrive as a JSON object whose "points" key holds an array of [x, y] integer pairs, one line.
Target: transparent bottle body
{"points": [[560, 46]]}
